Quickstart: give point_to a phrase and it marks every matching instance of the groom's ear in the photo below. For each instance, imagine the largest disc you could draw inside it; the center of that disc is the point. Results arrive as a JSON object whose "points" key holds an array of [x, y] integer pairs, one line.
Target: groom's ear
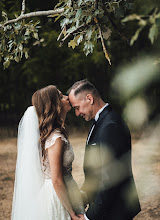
{"points": [[90, 99]]}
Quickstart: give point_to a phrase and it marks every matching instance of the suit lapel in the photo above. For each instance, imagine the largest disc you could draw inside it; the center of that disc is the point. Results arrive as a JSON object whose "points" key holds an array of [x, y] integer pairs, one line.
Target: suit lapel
{"points": [[106, 110], [88, 146]]}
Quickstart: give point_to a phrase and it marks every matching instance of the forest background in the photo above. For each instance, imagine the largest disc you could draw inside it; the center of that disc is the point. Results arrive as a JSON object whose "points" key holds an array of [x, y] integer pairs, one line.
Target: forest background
{"points": [[48, 63]]}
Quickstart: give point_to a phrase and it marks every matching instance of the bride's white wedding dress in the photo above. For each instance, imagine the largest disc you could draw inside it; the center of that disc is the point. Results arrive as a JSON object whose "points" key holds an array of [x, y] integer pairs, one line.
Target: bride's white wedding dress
{"points": [[34, 196], [55, 208]]}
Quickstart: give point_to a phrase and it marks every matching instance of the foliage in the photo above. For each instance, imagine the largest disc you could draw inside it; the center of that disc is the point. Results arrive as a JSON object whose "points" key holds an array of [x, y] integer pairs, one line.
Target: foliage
{"points": [[90, 20], [152, 21], [84, 21], [50, 64], [14, 40]]}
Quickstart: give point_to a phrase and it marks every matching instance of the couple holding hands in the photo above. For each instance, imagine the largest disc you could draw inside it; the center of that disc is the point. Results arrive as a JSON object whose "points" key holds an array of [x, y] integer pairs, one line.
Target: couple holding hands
{"points": [[44, 188]]}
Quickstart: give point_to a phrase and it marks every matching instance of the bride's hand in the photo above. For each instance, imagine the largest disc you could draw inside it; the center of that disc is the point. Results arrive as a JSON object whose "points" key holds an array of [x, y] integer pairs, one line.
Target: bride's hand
{"points": [[78, 217], [75, 217], [81, 217]]}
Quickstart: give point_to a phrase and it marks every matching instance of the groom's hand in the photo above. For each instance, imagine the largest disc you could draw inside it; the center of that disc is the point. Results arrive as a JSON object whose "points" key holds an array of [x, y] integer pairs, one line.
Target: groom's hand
{"points": [[76, 217]]}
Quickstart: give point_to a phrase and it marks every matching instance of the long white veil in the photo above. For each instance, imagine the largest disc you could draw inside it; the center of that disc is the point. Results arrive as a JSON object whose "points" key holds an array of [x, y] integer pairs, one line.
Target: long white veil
{"points": [[29, 199]]}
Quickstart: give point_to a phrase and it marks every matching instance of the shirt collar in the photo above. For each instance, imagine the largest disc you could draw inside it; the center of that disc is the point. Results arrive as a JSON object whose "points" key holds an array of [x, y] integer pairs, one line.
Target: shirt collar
{"points": [[100, 110]]}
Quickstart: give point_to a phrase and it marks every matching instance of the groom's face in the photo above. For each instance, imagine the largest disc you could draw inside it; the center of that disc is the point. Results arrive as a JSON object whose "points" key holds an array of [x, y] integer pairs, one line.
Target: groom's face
{"points": [[82, 104]]}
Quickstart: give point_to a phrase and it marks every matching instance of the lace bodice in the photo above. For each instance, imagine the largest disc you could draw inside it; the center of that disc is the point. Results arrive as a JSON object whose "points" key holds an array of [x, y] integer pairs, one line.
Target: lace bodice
{"points": [[68, 155]]}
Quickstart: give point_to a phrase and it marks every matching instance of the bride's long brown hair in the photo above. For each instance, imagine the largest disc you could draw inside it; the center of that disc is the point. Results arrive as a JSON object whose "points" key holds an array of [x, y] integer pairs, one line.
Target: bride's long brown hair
{"points": [[47, 102]]}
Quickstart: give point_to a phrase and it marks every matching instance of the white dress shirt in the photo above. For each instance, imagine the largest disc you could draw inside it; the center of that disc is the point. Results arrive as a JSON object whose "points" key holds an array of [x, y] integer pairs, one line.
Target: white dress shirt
{"points": [[86, 217], [96, 119]]}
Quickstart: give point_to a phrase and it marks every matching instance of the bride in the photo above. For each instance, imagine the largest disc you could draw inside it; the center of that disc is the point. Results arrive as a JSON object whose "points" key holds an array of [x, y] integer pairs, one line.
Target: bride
{"points": [[44, 188]]}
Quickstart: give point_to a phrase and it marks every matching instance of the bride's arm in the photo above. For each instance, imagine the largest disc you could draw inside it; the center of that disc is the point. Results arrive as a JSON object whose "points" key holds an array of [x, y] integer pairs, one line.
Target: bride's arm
{"points": [[55, 155]]}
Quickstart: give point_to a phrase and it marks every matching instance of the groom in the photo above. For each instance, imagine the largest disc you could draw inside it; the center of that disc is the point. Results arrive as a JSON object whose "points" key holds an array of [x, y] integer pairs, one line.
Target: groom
{"points": [[109, 183]]}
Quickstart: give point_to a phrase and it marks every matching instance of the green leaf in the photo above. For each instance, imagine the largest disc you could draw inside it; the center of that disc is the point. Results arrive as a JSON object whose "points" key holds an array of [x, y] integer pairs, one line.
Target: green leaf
{"points": [[57, 18], [110, 8], [89, 18], [64, 22], [80, 2], [97, 12], [16, 59], [158, 22], [71, 29], [6, 63], [79, 38], [153, 33], [58, 5], [119, 12], [19, 38], [115, 4], [77, 22], [27, 33], [20, 47], [142, 22], [72, 44], [17, 26], [88, 48], [36, 23], [134, 38], [25, 50], [89, 33], [10, 44], [35, 35], [4, 15], [131, 18], [106, 33], [78, 14], [128, 5], [157, 15]]}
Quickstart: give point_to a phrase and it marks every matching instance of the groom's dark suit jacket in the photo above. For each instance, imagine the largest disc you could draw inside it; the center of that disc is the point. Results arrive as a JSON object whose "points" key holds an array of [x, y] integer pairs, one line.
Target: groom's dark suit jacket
{"points": [[109, 182]]}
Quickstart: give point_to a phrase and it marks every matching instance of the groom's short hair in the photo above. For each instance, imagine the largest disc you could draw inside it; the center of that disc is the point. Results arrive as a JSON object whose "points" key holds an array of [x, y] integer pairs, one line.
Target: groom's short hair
{"points": [[82, 86]]}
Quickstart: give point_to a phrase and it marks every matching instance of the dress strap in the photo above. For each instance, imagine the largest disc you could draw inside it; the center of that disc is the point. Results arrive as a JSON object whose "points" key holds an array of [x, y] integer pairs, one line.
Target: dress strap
{"points": [[53, 137]]}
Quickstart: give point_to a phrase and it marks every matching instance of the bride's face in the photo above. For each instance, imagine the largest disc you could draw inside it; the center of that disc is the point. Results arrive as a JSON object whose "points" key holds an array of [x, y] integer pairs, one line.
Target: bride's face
{"points": [[65, 102]]}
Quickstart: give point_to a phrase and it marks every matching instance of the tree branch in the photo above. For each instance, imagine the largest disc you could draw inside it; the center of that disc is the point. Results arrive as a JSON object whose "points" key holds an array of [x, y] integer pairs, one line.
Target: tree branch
{"points": [[102, 41], [33, 14], [62, 41], [113, 24], [60, 35], [23, 7]]}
